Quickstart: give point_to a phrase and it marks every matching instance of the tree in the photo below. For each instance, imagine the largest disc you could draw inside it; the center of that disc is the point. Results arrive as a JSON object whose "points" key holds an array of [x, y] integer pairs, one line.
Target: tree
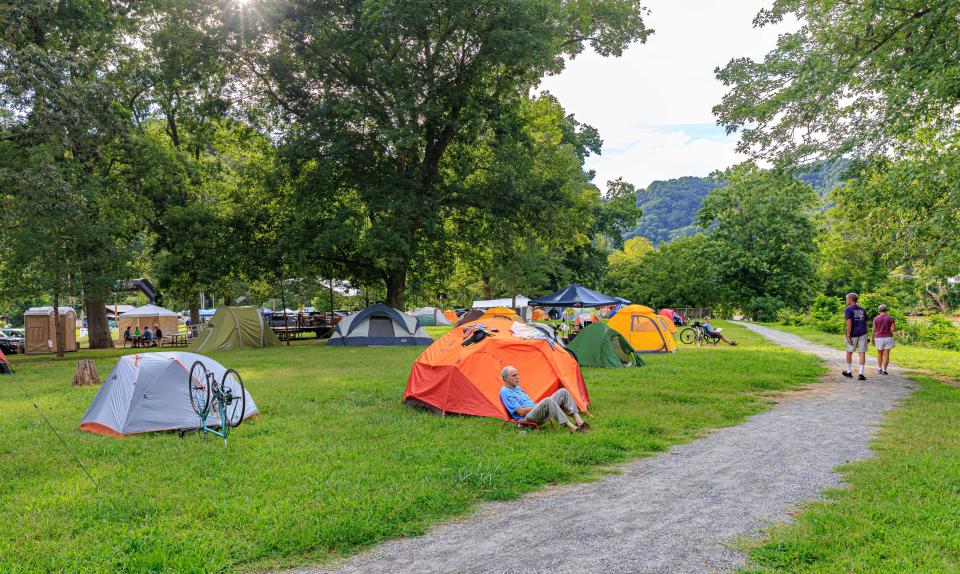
{"points": [[63, 125], [762, 236], [377, 93], [855, 78], [676, 274]]}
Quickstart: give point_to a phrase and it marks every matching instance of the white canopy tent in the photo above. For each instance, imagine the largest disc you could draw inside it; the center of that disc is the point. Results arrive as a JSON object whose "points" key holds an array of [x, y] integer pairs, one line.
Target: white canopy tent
{"points": [[522, 308]]}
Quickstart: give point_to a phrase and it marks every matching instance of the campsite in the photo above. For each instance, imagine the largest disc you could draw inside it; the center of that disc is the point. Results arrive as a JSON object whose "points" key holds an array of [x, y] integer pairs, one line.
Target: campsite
{"points": [[381, 286]]}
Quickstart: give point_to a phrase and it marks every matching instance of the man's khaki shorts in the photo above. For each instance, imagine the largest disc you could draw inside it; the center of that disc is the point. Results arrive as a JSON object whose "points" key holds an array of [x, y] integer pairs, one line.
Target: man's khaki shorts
{"points": [[858, 344]]}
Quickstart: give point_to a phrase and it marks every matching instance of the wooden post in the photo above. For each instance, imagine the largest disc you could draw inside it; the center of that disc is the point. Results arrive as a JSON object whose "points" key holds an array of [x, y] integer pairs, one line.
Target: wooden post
{"points": [[86, 373]]}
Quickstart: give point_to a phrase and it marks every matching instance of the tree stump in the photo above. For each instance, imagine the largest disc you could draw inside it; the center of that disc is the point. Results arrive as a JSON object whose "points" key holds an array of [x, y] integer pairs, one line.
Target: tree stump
{"points": [[86, 373]]}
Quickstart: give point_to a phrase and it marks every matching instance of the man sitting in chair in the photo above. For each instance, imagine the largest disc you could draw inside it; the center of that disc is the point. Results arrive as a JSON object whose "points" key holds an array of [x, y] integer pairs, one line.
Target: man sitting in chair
{"points": [[711, 332], [522, 408]]}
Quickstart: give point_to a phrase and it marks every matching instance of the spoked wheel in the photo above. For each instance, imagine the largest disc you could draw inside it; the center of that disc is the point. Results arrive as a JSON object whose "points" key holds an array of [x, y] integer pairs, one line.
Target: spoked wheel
{"points": [[198, 387], [687, 336], [234, 397]]}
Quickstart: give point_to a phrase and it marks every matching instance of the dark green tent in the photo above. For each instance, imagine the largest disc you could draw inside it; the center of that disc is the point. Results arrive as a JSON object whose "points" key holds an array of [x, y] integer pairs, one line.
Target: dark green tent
{"points": [[600, 346]]}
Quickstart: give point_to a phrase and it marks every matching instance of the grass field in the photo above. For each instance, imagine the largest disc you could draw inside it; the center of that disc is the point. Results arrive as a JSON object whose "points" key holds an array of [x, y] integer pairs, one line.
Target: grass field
{"points": [[334, 463], [938, 361], [899, 513]]}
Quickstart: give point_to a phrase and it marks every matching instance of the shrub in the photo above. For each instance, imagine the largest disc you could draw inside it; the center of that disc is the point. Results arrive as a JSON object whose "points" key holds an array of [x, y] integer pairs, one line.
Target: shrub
{"points": [[764, 308], [826, 314], [792, 317]]}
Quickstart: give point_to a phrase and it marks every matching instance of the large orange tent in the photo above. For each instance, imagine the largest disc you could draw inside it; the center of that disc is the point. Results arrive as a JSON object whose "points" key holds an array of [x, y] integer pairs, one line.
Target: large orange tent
{"points": [[451, 378], [643, 329]]}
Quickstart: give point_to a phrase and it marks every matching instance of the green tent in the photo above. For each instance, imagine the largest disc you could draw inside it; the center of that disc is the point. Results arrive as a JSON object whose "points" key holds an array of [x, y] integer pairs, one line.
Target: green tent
{"points": [[235, 328], [600, 346]]}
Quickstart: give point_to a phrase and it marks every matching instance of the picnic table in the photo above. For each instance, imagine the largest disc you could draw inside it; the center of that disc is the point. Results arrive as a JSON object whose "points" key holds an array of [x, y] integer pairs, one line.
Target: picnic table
{"points": [[176, 340]]}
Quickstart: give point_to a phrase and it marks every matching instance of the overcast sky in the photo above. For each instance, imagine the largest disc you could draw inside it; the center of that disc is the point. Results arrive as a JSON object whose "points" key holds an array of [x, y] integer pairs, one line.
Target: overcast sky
{"points": [[652, 105]]}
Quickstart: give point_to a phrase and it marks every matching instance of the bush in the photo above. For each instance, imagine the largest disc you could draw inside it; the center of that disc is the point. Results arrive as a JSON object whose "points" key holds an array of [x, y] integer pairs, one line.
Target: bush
{"points": [[792, 317], [764, 308], [937, 332], [826, 314]]}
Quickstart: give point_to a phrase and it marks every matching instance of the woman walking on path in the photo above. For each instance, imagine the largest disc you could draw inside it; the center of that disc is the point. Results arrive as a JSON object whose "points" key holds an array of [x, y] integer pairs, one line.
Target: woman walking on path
{"points": [[883, 328]]}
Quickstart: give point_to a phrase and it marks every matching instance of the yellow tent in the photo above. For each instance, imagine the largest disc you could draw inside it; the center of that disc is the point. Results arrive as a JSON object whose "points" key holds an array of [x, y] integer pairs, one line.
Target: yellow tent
{"points": [[500, 312], [641, 327], [667, 323]]}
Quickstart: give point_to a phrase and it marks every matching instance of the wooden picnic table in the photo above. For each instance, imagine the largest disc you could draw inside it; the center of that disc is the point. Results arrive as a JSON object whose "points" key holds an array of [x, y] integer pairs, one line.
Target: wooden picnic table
{"points": [[176, 340]]}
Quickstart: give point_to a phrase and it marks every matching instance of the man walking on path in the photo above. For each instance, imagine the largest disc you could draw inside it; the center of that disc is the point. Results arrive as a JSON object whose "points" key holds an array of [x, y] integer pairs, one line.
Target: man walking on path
{"points": [[857, 339], [883, 328]]}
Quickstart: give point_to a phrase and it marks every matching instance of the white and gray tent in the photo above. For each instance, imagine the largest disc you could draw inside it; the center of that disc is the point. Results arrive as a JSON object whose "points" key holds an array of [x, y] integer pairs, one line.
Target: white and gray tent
{"points": [[148, 392], [431, 316], [379, 325]]}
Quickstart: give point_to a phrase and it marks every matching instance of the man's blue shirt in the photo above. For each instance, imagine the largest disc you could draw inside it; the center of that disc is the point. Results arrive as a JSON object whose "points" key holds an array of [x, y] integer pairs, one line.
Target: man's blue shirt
{"points": [[515, 398]]}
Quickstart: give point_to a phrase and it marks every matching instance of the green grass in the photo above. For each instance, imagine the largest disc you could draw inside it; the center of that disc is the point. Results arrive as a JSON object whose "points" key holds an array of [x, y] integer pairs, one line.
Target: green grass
{"points": [[334, 463], [938, 361], [900, 512]]}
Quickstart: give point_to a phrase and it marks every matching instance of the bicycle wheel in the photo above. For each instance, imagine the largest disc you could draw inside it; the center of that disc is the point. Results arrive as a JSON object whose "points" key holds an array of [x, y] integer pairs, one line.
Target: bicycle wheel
{"points": [[198, 388], [234, 396], [687, 336]]}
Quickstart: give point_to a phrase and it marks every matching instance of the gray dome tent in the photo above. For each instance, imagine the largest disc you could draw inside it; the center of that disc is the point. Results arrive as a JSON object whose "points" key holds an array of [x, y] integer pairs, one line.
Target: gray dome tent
{"points": [[379, 325], [148, 392]]}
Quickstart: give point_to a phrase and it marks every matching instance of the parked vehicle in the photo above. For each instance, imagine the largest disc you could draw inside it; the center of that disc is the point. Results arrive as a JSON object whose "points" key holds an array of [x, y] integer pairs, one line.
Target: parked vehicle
{"points": [[12, 341]]}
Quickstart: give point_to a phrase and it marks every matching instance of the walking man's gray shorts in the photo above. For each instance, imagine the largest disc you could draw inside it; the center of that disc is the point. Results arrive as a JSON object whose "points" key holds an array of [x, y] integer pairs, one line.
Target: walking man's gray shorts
{"points": [[858, 344]]}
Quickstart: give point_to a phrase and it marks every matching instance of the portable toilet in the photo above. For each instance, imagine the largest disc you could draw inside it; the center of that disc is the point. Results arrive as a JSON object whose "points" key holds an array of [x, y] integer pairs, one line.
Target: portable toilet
{"points": [[41, 332]]}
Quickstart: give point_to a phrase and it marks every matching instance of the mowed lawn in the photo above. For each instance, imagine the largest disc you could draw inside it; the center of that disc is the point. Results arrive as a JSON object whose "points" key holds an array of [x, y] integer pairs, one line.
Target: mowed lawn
{"points": [[334, 463], [900, 511]]}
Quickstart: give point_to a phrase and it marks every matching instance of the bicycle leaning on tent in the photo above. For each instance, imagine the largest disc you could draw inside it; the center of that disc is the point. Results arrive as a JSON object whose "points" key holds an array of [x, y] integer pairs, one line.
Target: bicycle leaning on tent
{"points": [[219, 404], [696, 333]]}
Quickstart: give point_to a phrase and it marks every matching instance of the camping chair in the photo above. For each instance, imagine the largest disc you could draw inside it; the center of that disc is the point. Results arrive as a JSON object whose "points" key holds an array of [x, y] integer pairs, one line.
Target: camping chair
{"points": [[520, 424]]}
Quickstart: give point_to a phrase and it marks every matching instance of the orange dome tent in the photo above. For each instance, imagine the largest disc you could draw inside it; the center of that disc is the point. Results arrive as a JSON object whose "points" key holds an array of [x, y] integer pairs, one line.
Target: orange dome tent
{"points": [[643, 329], [451, 315], [451, 378], [501, 312], [540, 315]]}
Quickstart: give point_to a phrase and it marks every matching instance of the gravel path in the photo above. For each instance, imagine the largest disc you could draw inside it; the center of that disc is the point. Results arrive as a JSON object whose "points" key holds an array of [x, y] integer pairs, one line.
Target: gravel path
{"points": [[673, 513]]}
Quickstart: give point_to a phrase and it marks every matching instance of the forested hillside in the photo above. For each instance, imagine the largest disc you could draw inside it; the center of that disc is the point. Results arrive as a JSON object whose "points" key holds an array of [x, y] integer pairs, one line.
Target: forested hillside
{"points": [[670, 207]]}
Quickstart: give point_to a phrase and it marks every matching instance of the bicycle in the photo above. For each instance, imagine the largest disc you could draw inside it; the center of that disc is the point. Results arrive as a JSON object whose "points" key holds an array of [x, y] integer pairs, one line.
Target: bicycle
{"points": [[695, 333], [225, 399]]}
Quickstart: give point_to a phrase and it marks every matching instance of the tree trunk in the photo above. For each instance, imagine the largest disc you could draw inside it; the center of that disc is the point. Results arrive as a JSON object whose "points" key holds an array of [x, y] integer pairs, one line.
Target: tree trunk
{"points": [[86, 374], [396, 283], [57, 326], [487, 287], [98, 327], [194, 313]]}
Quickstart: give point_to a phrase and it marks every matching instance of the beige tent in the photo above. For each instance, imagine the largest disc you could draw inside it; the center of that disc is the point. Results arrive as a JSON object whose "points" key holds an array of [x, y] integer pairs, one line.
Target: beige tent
{"points": [[148, 316], [38, 323]]}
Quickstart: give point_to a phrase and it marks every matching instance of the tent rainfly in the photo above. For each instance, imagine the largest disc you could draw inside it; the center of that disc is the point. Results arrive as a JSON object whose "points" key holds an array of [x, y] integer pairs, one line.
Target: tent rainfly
{"points": [[235, 328], [5, 368], [379, 325], [431, 316], [600, 346], [148, 392]]}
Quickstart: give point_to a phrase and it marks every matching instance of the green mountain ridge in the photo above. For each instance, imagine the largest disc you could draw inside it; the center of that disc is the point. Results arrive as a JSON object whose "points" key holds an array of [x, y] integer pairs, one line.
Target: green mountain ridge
{"points": [[670, 206]]}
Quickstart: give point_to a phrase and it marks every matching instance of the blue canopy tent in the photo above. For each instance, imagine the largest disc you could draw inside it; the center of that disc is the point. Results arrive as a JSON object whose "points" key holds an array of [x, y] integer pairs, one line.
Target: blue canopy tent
{"points": [[577, 296]]}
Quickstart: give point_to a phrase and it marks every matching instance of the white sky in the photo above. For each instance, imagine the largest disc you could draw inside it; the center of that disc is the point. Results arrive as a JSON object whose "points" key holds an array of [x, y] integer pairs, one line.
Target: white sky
{"points": [[652, 105]]}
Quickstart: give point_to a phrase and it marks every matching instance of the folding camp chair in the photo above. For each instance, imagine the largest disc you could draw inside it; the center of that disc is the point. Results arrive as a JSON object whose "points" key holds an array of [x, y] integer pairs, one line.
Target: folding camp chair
{"points": [[520, 424]]}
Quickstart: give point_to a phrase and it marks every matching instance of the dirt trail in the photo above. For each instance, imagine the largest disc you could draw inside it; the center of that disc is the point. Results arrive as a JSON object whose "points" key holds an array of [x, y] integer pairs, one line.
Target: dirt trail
{"points": [[676, 512]]}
